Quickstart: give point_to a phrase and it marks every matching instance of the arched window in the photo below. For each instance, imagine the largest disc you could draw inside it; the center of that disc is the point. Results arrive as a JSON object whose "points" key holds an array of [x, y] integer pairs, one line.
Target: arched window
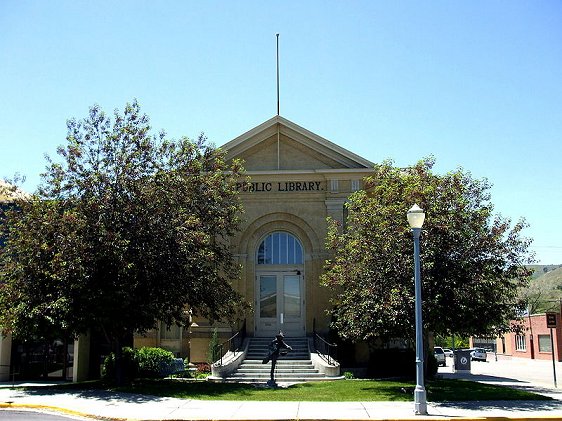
{"points": [[280, 248]]}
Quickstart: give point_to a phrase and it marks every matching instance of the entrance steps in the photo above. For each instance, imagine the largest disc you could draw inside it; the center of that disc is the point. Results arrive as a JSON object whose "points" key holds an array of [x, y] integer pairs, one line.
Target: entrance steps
{"points": [[296, 366]]}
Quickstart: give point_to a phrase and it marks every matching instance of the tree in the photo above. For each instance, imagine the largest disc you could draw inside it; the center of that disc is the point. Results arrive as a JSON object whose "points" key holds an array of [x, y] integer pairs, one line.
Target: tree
{"points": [[127, 230], [472, 261]]}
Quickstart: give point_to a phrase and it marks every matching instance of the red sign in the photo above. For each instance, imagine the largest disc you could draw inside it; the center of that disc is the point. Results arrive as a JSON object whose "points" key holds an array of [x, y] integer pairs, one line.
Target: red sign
{"points": [[551, 320]]}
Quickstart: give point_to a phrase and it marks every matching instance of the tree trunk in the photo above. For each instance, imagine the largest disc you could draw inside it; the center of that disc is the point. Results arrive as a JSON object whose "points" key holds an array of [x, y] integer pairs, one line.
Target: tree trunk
{"points": [[119, 369], [64, 357], [46, 359]]}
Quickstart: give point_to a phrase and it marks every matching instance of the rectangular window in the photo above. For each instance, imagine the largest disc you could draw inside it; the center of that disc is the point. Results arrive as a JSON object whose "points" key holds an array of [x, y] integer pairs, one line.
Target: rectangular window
{"points": [[544, 343], [268, 296], [334, 186], [354, 185], [172, 333], [520, 344], [292, 295]]}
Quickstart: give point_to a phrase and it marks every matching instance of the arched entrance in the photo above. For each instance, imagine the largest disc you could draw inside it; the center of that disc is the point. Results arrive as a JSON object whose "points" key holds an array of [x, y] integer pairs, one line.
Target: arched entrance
{"points": [[280, 285]]}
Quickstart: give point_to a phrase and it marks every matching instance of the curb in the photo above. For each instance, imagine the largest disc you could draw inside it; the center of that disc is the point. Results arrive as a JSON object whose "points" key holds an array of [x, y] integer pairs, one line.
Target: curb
{"points": [[9, 405]]}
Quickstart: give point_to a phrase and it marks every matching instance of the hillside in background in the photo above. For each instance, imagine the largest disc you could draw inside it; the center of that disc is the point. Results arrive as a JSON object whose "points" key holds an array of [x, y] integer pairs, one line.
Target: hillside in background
{"points": [[541, 270], [545, 290]]}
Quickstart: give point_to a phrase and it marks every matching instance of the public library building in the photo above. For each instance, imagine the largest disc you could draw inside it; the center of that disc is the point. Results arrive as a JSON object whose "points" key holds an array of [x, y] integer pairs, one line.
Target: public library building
{"points": [[297, 180]]}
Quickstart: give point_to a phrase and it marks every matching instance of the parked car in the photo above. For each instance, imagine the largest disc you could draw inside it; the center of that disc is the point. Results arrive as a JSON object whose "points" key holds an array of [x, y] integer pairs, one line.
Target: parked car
{"points": [[478, 354], [448, 352], [439, 356]]}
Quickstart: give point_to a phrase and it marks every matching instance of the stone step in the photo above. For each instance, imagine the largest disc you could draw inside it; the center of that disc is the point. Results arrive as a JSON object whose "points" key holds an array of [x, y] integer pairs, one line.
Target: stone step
{"points": [[243, 370], [260, 365], [265, 347], [291, 356], [286, 377], [296, 366]]}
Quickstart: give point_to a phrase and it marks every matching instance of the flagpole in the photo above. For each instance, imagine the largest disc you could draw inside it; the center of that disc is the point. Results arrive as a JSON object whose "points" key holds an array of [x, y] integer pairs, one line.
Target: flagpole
{"points": [[278, 140], [277, 74]]}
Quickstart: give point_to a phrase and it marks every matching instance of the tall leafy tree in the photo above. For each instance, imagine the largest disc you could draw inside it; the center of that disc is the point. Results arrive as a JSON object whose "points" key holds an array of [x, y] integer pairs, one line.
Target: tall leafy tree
{"points": [[473, 261], [127, 229]]}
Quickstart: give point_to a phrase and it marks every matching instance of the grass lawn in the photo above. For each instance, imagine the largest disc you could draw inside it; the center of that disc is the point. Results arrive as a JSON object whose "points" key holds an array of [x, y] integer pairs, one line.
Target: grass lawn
{"points": [[439, 390]]}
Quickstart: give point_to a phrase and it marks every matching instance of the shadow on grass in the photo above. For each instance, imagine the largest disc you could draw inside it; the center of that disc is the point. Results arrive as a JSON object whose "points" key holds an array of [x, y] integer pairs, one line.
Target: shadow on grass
{"points": [[438, 390]]}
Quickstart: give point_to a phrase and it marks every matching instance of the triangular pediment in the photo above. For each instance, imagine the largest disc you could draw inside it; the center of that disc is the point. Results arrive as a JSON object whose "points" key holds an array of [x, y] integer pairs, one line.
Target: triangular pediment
{"points": [[279, 144]]}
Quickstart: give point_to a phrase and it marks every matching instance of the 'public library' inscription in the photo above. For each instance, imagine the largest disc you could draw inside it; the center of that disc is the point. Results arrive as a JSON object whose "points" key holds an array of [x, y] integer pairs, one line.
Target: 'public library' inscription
{"points": [[280, 186]]}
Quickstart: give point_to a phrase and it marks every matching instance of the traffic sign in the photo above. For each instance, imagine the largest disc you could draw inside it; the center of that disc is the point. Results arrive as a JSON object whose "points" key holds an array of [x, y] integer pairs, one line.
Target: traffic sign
{"points": [[551, 320]]}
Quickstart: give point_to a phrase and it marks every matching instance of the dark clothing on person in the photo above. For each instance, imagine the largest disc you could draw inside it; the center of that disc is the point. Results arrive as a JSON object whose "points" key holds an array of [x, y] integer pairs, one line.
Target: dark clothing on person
{"points": [[276, 348]]}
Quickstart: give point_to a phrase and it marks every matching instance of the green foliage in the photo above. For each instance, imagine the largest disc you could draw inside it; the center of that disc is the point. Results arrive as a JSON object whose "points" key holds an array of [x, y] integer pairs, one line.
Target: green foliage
{"points": [[154, 362], [348, 375], [144, 362], [473, 262], [127, 229], [447, 342], [129, 365], [212, 350]]}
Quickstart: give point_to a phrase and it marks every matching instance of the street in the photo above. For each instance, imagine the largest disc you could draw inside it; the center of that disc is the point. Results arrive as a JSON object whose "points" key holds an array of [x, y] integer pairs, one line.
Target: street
{"points": [[19, 414], [523, 373]]}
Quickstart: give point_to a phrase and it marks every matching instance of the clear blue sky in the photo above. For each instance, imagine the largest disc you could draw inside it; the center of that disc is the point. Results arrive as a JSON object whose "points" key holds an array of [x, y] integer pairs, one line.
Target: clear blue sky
{"points": [[478, 84]]}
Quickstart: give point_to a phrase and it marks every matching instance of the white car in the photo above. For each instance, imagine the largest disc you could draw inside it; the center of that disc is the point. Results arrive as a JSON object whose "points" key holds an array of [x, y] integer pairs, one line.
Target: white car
{"points": [[439, 356], [448, 352], [478, 354]]}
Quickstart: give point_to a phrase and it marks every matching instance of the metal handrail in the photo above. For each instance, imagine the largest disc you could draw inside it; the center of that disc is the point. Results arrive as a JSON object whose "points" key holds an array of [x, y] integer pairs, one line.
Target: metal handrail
{"points": [[233, 344], [324, 348]]}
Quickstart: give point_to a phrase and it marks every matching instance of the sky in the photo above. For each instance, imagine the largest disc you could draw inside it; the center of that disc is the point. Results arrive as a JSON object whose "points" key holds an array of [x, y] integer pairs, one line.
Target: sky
{"points": [[476, 84]]}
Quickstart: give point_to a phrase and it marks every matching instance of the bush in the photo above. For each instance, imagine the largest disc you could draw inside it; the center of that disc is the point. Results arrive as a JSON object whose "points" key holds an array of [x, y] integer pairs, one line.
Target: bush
{"points": [[143, 362], [156, 362], [130, 365], [392, 363], [212, 352]]}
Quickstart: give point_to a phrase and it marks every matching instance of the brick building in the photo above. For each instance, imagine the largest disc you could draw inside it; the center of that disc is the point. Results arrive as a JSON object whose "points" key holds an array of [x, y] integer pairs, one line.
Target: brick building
{"points": [[534, 340]]}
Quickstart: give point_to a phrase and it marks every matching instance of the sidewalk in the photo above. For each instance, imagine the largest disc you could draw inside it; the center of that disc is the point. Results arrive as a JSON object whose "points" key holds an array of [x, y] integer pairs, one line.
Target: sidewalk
{"points": [[123, 406]]}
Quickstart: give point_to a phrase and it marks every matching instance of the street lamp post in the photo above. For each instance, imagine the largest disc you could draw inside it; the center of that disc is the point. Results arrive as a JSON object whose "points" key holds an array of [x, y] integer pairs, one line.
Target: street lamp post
{"points": [[416, 217]]}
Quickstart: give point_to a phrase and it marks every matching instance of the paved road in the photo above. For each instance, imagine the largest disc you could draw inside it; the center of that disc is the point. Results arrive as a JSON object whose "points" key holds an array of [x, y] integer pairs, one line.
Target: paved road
{"points": [[523, 373], [21, 415]]}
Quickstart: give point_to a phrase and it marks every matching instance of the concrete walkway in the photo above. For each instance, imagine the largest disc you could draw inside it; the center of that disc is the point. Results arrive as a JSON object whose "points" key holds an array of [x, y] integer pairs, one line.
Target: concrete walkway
{"points": [[124, 406]]}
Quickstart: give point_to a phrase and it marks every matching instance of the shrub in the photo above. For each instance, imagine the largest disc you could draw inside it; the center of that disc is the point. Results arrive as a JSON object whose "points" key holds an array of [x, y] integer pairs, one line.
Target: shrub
{"points": [[212, 352], [129, 365], [392, 363], [203, 367], [156, 362], [144, 362]]}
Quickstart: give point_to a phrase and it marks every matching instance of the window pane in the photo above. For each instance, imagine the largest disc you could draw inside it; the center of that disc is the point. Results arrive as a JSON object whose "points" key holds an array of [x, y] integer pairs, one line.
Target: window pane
{"points": [[283, 248], [544, 343], [520, 344], [268, 296], [275, 260], [298, 254], [292, 296], [172, 332], [269, 250], [280, 248], [261, 253], [290, 249]]}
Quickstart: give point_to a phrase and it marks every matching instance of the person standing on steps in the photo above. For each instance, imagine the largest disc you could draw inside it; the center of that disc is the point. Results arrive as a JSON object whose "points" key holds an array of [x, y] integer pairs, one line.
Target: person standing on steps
{"points": [[276, 348]]}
